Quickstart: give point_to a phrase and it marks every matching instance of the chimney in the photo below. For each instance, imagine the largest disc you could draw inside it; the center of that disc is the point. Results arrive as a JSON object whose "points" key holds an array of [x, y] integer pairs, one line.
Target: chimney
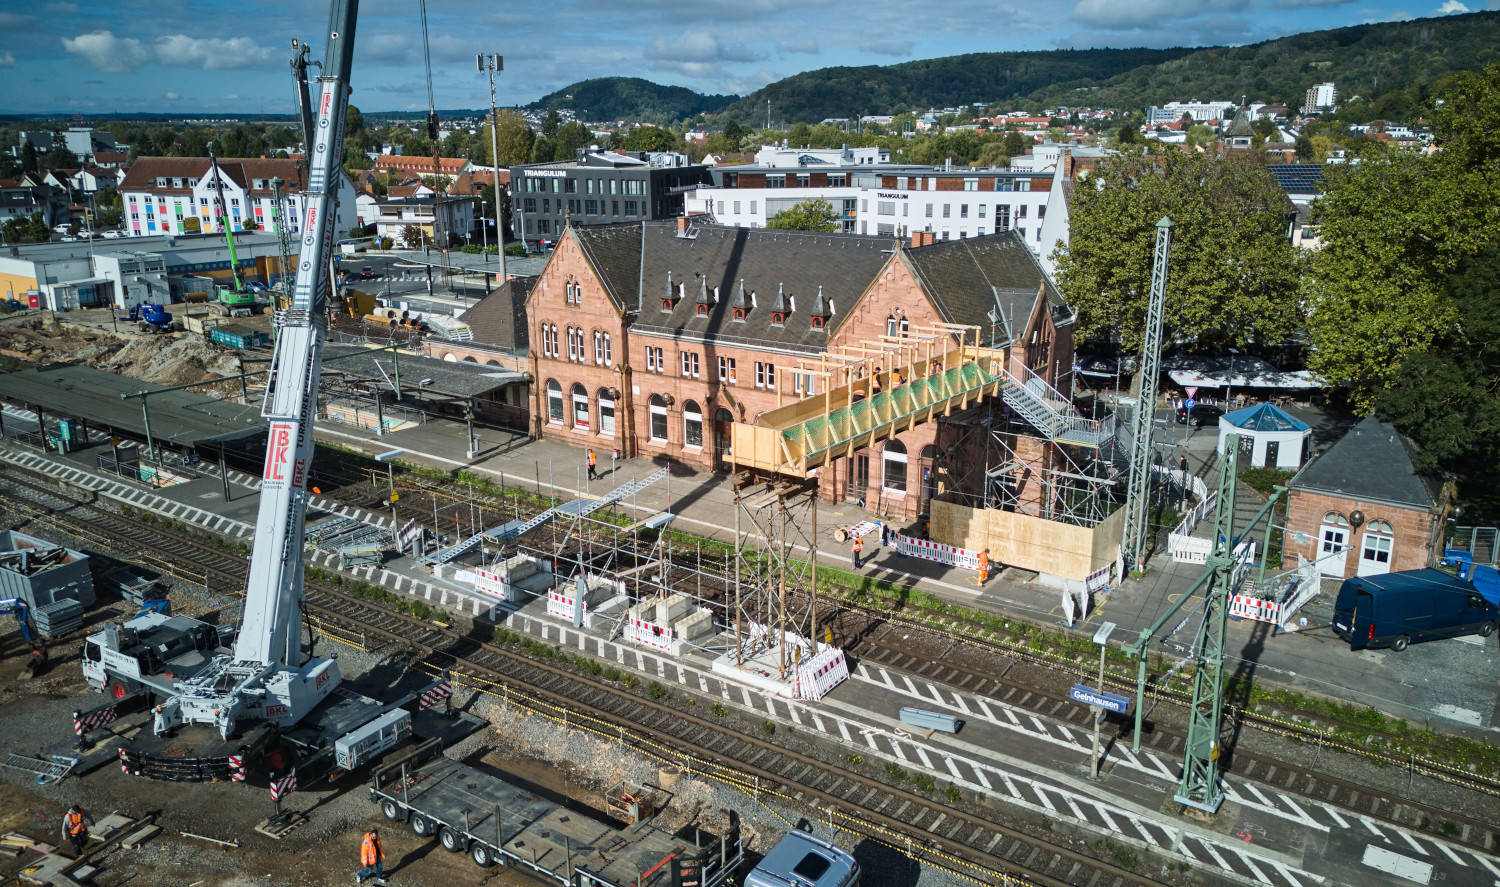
{"points": [[1067, 163], [923, 238], [682, 224]]}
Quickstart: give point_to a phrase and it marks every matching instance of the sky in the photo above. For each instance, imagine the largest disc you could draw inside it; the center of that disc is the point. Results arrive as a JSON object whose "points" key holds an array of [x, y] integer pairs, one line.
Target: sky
{"points": [[207, 56]]}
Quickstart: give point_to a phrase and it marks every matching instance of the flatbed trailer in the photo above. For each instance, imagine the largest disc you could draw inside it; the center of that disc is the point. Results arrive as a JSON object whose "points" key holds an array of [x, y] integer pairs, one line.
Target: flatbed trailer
{"points": [[497, 823]]}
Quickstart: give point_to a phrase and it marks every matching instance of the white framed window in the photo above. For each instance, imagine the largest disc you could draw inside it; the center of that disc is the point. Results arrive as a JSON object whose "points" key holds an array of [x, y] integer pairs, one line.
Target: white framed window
{"points": [[971, 184], [890, 325], [804, 384], [580, 406], [721, 207], [981, 210], [658, 419], [765, 375], [692, 425], [905, 326], [606, 412], [689, 364], [727, 372], [554, 402], [893, 467], [609, 355], [656, 361]]}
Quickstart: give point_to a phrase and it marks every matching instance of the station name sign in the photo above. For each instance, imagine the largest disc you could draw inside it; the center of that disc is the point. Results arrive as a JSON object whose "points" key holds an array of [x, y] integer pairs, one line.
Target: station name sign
{"points": [[1089, 696]]}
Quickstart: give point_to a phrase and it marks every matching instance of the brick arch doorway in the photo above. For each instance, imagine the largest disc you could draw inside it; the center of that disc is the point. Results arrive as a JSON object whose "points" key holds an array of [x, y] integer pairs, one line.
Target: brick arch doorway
{"points": [[722, 420]]}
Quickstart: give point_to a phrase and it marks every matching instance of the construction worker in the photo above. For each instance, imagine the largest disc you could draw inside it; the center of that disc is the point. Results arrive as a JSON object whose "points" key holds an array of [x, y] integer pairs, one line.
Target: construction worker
{"points": [[984, 566], [372, 857], [593, 466], [75, 829], [874, 384], [859, 546]]}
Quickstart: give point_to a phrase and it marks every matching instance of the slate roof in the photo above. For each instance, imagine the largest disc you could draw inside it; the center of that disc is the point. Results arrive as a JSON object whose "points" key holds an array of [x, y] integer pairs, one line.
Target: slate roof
{"points": [[1371, 462], [967, 278], [1265, 417], [634, 260], [241, 170], [500, 318]]}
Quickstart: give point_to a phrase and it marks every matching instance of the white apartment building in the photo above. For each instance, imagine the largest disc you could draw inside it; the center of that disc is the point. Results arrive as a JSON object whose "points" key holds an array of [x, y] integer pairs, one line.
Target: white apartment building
{"points": [[784, 157], [1321, 97], [177, 195], [1201, 112], [954, 204]]}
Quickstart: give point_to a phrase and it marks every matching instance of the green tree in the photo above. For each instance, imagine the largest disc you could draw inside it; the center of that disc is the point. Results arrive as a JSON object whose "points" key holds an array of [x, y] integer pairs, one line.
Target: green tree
{"points": [[28, 158], [809, 215], [1233, 271], [513, 138], [1015, 144], [734, 132], [1447, 397], [571, 137], [800, 134], [413, 237], [108, 209], [1304, 147], [1126, 135], [551, 123], [1395, 228], [354, 121], [650, 138]]}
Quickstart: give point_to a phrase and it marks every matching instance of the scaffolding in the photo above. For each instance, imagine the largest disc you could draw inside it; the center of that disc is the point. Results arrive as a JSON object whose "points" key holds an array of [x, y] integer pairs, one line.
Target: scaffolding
{"points": [[769, 612]]}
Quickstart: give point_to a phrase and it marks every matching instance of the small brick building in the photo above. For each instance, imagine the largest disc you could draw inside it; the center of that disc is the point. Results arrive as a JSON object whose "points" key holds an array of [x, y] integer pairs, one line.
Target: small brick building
{"points": [[651, 338], [1361, 508]]}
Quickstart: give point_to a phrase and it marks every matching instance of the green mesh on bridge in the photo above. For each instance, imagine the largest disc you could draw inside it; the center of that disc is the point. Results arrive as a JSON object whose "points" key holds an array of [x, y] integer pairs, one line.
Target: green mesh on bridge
{"points": [[843, 425]]}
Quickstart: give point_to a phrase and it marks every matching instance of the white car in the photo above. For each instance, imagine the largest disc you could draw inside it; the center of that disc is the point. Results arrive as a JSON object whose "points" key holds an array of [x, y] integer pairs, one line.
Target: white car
{"points": [[68, 238], [110, 235]]}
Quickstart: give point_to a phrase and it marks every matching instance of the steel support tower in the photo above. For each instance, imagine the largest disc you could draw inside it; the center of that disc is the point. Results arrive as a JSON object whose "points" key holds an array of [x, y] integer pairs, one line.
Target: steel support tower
{"points": [[1139, 491]]}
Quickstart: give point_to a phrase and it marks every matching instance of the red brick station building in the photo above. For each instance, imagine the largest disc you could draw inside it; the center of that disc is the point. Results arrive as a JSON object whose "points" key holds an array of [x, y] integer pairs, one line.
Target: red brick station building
{"points": [[651, 338]]}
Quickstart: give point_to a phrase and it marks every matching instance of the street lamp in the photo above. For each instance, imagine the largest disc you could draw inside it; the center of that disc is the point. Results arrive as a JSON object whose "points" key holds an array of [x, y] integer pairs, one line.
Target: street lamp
{"points": [[493, 63], [1228, 389]]}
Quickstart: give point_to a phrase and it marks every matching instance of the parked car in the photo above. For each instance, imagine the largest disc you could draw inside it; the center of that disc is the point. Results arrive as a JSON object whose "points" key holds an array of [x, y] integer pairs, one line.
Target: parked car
{"points": [[1397, 609], [256, 287], [68, 238], [1200, 415], [1094, 365], [367, 272], [110, 235]]}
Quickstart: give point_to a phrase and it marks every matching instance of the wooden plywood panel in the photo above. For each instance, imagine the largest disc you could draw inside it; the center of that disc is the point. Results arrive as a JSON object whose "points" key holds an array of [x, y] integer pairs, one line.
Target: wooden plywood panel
{"points": [[1108, 536], [1020, 540]]}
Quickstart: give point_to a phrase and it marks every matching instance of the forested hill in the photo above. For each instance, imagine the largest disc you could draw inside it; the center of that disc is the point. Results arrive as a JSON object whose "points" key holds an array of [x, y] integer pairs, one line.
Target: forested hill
{"points": [[630, 98], [1390, 66], [1002, 77]]}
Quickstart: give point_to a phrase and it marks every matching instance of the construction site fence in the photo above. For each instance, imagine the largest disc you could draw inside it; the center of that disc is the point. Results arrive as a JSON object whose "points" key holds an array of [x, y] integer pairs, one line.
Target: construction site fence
{"points": [[1481, 542], [851, 822]]}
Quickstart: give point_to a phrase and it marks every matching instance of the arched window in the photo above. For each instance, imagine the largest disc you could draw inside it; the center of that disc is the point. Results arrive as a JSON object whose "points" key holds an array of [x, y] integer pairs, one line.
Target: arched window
{"points": [[929, 451], [658, 418], [606, 412], [890, 325], [692, 425], [1379, 526], [893, 460], [609, 355], [1334, 518], [574, 346], [450, 357], [580, 406], [554, 402], [702, 309], [598, 348], [471, 359], [492, 363]]}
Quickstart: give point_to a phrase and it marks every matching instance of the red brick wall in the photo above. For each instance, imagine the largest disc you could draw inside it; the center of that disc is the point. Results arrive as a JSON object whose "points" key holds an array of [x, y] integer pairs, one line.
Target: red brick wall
{"points": [[1305, 510]]}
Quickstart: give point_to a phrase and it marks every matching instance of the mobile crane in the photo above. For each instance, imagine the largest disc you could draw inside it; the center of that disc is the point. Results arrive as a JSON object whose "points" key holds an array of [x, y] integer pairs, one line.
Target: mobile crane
{"points": [[261, 679], [234, 300]]}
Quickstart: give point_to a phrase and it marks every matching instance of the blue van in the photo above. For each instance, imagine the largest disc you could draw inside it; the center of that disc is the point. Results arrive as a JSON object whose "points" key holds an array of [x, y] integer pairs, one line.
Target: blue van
{"points": [[1397, 609], [804, 860]]}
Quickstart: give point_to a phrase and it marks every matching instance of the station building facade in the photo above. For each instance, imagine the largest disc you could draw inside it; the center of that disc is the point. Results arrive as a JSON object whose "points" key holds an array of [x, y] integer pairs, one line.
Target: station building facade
{"points": [[651, 338]]}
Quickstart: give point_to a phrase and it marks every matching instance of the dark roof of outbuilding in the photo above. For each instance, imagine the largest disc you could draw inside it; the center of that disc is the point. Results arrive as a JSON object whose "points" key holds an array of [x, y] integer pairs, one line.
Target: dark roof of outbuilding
{"points": [[967, 278], [634, 260], [1372, 461], [500, 318]]}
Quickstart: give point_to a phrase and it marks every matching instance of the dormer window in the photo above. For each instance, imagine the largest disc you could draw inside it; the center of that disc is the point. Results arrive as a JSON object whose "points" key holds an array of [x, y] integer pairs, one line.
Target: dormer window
{"points": [[778, 319], [817, 322], [739, 314], [666, 305], [702, 310]]}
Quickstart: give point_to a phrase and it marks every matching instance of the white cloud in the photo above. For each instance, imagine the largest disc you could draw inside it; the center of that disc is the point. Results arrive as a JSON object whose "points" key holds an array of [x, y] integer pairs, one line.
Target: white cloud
{"points": [[1112, 15], [698, 46], [172, 96], [802, 47], [8, 60], [1309, 4], [1451, 7], [210, 53], [105, 52], [9, 20]]}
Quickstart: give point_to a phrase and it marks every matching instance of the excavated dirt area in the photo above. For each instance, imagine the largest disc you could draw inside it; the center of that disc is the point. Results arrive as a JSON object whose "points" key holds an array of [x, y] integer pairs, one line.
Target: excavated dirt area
{"points": [[91, 338]]}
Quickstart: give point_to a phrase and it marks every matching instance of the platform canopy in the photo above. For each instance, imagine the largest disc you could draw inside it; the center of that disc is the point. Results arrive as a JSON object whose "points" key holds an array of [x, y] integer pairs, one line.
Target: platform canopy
{"points": [[184, 418]]}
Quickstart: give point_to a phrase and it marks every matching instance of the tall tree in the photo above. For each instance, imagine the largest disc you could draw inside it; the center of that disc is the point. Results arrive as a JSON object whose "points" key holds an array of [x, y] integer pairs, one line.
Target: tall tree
{"points": [[28, 158], [513, 139], [551, 124], [1233, 270], [809, 215], [650, 138], [1395, 228], [571, 137]]}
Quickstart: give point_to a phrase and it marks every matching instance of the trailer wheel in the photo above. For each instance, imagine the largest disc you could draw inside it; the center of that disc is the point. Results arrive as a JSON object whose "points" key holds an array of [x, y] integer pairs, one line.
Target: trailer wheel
{"points": [[1487, 629], [392, 810], [481, 855], [420, 826], [1400, 643], [451, 840]]}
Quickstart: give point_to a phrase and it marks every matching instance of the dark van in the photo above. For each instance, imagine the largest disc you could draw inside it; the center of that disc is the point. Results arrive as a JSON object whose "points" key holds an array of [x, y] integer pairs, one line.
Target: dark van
{"points": [[1396, 609]]}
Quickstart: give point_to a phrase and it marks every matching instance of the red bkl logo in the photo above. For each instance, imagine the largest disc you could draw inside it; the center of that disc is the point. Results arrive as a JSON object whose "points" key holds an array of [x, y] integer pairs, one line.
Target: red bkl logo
{"points": [[275, 711], [322, 679], [278, 452]]}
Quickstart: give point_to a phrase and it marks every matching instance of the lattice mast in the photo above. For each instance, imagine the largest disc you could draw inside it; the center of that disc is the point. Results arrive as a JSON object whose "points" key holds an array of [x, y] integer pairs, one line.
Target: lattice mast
{"points": [[1138, 494]]}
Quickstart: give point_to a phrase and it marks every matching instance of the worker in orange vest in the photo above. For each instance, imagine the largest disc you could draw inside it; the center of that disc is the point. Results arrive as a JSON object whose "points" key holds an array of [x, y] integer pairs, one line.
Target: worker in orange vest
{"points": [[372, 857], [859, 546], [984, 566], [593, 464], [75, 830]]}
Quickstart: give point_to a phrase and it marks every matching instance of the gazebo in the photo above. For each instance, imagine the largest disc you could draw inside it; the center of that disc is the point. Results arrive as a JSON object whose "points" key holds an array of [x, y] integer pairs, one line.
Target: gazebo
{"points": [[1278, 439]]}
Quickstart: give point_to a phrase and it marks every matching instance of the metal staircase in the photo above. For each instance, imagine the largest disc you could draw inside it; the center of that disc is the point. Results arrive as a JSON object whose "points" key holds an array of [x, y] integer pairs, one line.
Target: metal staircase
{"points": [[1051, 413]]}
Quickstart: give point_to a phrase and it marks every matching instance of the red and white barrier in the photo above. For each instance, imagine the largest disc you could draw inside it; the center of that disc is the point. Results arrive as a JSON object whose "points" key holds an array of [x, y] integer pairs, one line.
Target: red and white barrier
{"points": [[649, 634], [493, 584], [821, 673], [1256, 608], [124, 767], [94, 719], [1097, 580], [560, 604], [236, 768], [284, 786], [862, 529], [434, 695], [951, 555]]}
